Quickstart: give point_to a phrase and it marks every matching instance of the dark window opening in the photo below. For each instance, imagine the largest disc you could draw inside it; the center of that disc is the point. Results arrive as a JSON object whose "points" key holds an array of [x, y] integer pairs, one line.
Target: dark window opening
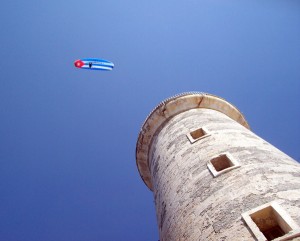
{"points": [[198, 133], [270, 223], [221, 162]]}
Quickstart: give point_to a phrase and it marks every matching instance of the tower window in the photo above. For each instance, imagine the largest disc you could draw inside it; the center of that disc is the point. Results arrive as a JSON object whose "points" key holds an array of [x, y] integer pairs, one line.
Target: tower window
{"points": [[269, 222], [197, 134], [222, 163]]}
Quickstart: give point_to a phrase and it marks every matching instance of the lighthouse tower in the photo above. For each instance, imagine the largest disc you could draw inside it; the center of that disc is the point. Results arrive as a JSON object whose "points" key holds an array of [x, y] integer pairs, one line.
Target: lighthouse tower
{"points": [[214, 179]]}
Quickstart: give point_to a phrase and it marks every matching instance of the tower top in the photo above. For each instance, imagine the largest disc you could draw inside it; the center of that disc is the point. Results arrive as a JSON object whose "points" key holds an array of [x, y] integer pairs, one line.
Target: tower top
{"points": [[171, 107]]}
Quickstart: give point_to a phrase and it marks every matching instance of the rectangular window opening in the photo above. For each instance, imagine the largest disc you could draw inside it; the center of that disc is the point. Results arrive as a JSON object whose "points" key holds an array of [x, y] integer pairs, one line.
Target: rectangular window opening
{"points": [[221, 162], [270, 223], [197, 134]]}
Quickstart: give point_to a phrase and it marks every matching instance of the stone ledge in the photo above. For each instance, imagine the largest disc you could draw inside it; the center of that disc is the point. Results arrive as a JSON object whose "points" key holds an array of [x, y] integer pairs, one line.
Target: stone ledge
{"points": [[169, 108]]}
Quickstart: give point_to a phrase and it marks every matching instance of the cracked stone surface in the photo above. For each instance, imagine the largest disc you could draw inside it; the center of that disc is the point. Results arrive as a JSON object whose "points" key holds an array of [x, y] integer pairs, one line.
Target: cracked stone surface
{"points": [[193, 205]]}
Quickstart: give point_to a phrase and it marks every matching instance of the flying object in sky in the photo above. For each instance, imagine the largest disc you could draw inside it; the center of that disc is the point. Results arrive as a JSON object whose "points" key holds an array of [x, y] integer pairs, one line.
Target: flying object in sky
{"points": [[94, 64]]}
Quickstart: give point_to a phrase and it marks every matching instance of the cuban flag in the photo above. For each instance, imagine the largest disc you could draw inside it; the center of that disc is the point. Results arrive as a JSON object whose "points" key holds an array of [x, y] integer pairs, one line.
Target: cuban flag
{"points": [[94, 64]]}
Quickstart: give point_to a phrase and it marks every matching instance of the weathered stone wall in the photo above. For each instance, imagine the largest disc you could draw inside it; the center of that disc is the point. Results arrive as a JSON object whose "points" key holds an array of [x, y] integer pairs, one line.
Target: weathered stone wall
{"points": [[191, 204]]}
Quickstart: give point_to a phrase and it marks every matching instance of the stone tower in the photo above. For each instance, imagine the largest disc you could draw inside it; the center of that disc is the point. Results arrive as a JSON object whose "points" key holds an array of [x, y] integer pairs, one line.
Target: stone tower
{"points": [[214, 179]]}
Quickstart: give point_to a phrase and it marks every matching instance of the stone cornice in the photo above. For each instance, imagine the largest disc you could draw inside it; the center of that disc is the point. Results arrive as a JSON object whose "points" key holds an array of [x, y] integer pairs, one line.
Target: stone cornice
{"points": [[169, 108]]}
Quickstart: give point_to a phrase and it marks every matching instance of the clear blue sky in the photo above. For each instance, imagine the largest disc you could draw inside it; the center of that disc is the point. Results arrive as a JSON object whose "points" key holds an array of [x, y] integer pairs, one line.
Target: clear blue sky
{"points": [[67, 153]]}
